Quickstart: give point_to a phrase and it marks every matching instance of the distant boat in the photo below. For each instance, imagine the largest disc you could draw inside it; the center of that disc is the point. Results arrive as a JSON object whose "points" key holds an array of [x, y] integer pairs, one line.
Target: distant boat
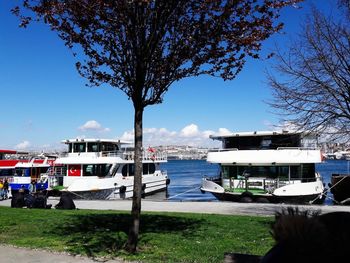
{"points": [[276, 166], [21, 168], [8, 160], [103, 169]]}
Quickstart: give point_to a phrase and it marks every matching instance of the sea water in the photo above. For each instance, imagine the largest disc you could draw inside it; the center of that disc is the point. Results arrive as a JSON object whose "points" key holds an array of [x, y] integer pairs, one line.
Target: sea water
{"points": [[329, 167], [186, 175]]}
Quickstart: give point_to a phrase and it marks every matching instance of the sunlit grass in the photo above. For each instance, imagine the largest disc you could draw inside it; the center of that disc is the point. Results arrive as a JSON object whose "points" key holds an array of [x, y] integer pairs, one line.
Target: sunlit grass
{"points": [[164, 237]]}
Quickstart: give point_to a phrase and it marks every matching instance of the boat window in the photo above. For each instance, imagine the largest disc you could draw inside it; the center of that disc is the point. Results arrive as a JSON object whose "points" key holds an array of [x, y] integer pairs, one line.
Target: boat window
{"points": [[308, 172], [148, 168], [109, 147], [265, 143], [79, 147], [70, 147], [125, 170], [100, 170], [273, 172], [18, 172], [262, 142], [22, 172], [145, 168], [152, 168], [6, 172], [295, 172], [88, 170], [93, 147], [229, 171], [128, 170]]}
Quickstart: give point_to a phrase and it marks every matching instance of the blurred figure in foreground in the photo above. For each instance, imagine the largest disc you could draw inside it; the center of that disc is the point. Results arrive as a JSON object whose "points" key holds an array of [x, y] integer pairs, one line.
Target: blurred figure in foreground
{"points": [[307, 236]]}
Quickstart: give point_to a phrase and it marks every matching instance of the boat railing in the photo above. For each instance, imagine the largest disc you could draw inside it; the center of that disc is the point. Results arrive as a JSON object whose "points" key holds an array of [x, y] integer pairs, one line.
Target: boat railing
{"points": [[130, 155], [278, 148], [223, 150], [297, 148], [147, 154], [264, 183]]}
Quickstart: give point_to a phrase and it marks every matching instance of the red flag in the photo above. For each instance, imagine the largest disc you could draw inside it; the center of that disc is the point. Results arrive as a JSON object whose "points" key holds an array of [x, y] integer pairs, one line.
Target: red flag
{"points": [[74, 170]]}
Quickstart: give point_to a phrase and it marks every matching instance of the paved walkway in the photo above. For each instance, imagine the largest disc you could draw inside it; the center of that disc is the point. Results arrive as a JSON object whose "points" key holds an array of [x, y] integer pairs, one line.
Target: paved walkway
{"points": [[9, 254], [225, 208], [19, 255]]}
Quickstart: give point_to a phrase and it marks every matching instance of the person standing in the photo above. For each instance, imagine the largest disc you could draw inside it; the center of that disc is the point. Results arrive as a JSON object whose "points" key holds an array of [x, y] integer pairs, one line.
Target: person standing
{"points": [[32, 187], [6, 188], [1, 190]]}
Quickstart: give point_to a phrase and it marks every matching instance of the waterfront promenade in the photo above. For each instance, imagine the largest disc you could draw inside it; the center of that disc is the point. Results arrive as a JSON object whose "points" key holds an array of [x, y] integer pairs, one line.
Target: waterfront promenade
{"points": [[224, 208]]}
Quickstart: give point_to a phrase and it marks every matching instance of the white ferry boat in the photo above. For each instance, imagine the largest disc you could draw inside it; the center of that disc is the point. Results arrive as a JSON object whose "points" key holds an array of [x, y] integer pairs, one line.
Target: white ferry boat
{"points": [[102, 169], [21, 168], [267, 167]]}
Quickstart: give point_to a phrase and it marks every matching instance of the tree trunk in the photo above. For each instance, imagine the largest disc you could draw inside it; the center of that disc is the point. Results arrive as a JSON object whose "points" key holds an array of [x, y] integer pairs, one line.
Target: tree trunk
{"points": [[136, 200]]}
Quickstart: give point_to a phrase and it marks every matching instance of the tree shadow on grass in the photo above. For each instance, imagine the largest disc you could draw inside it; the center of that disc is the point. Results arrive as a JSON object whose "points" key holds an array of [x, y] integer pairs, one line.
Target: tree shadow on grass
{"points": [[101, 234]]}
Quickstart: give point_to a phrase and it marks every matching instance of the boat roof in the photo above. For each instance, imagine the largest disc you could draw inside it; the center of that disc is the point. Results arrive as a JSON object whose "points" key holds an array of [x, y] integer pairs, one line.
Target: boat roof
{"points": [[261, 133], [95, 140], [12, 152]]}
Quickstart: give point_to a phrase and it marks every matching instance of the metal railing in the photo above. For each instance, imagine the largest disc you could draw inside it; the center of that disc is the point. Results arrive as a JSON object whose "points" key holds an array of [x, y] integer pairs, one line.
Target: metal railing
{"points": [[256, 149], [147, 155]]}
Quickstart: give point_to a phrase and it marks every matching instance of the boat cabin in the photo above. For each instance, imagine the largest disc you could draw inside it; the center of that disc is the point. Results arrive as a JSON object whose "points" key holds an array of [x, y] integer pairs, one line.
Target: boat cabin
{"points": [[260, 159], [267, 140], [93, 145]]}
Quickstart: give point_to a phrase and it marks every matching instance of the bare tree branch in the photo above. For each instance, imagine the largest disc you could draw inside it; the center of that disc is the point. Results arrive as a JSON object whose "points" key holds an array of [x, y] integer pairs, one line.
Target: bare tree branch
{"points": [[314, 88]]}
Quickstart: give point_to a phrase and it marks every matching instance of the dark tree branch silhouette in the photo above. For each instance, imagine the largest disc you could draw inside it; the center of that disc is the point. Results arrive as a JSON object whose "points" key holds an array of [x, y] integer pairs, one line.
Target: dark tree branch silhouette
{"points": [[313, 91], [142, 46]]}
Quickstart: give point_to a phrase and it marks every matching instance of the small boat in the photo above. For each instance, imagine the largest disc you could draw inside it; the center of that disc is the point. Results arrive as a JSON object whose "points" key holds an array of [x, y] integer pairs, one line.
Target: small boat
{"points": [[21, 168], [8, 160], [104, 169], [276, 166], [340, 188]]}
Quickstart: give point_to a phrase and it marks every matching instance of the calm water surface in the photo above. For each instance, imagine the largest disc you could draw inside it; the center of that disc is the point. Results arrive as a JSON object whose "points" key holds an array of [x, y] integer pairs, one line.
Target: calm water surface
{"points": [[186, 175]]}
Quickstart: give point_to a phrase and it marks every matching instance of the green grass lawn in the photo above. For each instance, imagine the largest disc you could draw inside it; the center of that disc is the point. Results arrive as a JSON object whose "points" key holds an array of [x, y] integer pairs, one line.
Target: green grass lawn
{"points": [[164, 237]]}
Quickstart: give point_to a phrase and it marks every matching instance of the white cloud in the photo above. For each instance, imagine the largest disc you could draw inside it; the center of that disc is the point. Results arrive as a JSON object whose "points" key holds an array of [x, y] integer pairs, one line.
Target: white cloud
{"points": [[93, 125], [190, 131], [128, 136], [190, 135], [23, 145], [223, 131]]}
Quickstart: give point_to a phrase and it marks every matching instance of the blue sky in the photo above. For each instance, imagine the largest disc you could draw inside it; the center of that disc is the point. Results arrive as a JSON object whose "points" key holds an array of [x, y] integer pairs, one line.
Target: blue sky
{"points": [[44, 100]]}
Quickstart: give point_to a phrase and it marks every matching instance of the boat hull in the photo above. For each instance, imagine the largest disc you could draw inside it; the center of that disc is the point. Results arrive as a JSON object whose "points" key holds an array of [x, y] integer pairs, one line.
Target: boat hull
{"points": [[95, 188], [269, 198], [250, 196]]}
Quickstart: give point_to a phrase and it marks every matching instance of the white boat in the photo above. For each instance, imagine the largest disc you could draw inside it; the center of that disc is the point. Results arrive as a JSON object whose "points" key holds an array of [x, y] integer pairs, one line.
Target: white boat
{"points": [[268, 166], [102, 169], [21, 168]]}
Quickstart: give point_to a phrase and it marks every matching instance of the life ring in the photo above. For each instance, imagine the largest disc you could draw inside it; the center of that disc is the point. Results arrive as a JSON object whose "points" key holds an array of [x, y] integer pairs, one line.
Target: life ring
{"points": [[122, 189]]}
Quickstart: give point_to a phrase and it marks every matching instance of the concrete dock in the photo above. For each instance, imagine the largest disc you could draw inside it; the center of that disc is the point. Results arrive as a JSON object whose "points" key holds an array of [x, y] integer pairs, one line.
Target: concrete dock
{"points": [[225, 208]]}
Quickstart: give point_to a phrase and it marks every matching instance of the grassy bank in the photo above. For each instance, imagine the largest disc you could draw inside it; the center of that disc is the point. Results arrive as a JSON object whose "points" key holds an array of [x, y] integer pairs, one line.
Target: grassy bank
{"points": [[165, 237]]}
